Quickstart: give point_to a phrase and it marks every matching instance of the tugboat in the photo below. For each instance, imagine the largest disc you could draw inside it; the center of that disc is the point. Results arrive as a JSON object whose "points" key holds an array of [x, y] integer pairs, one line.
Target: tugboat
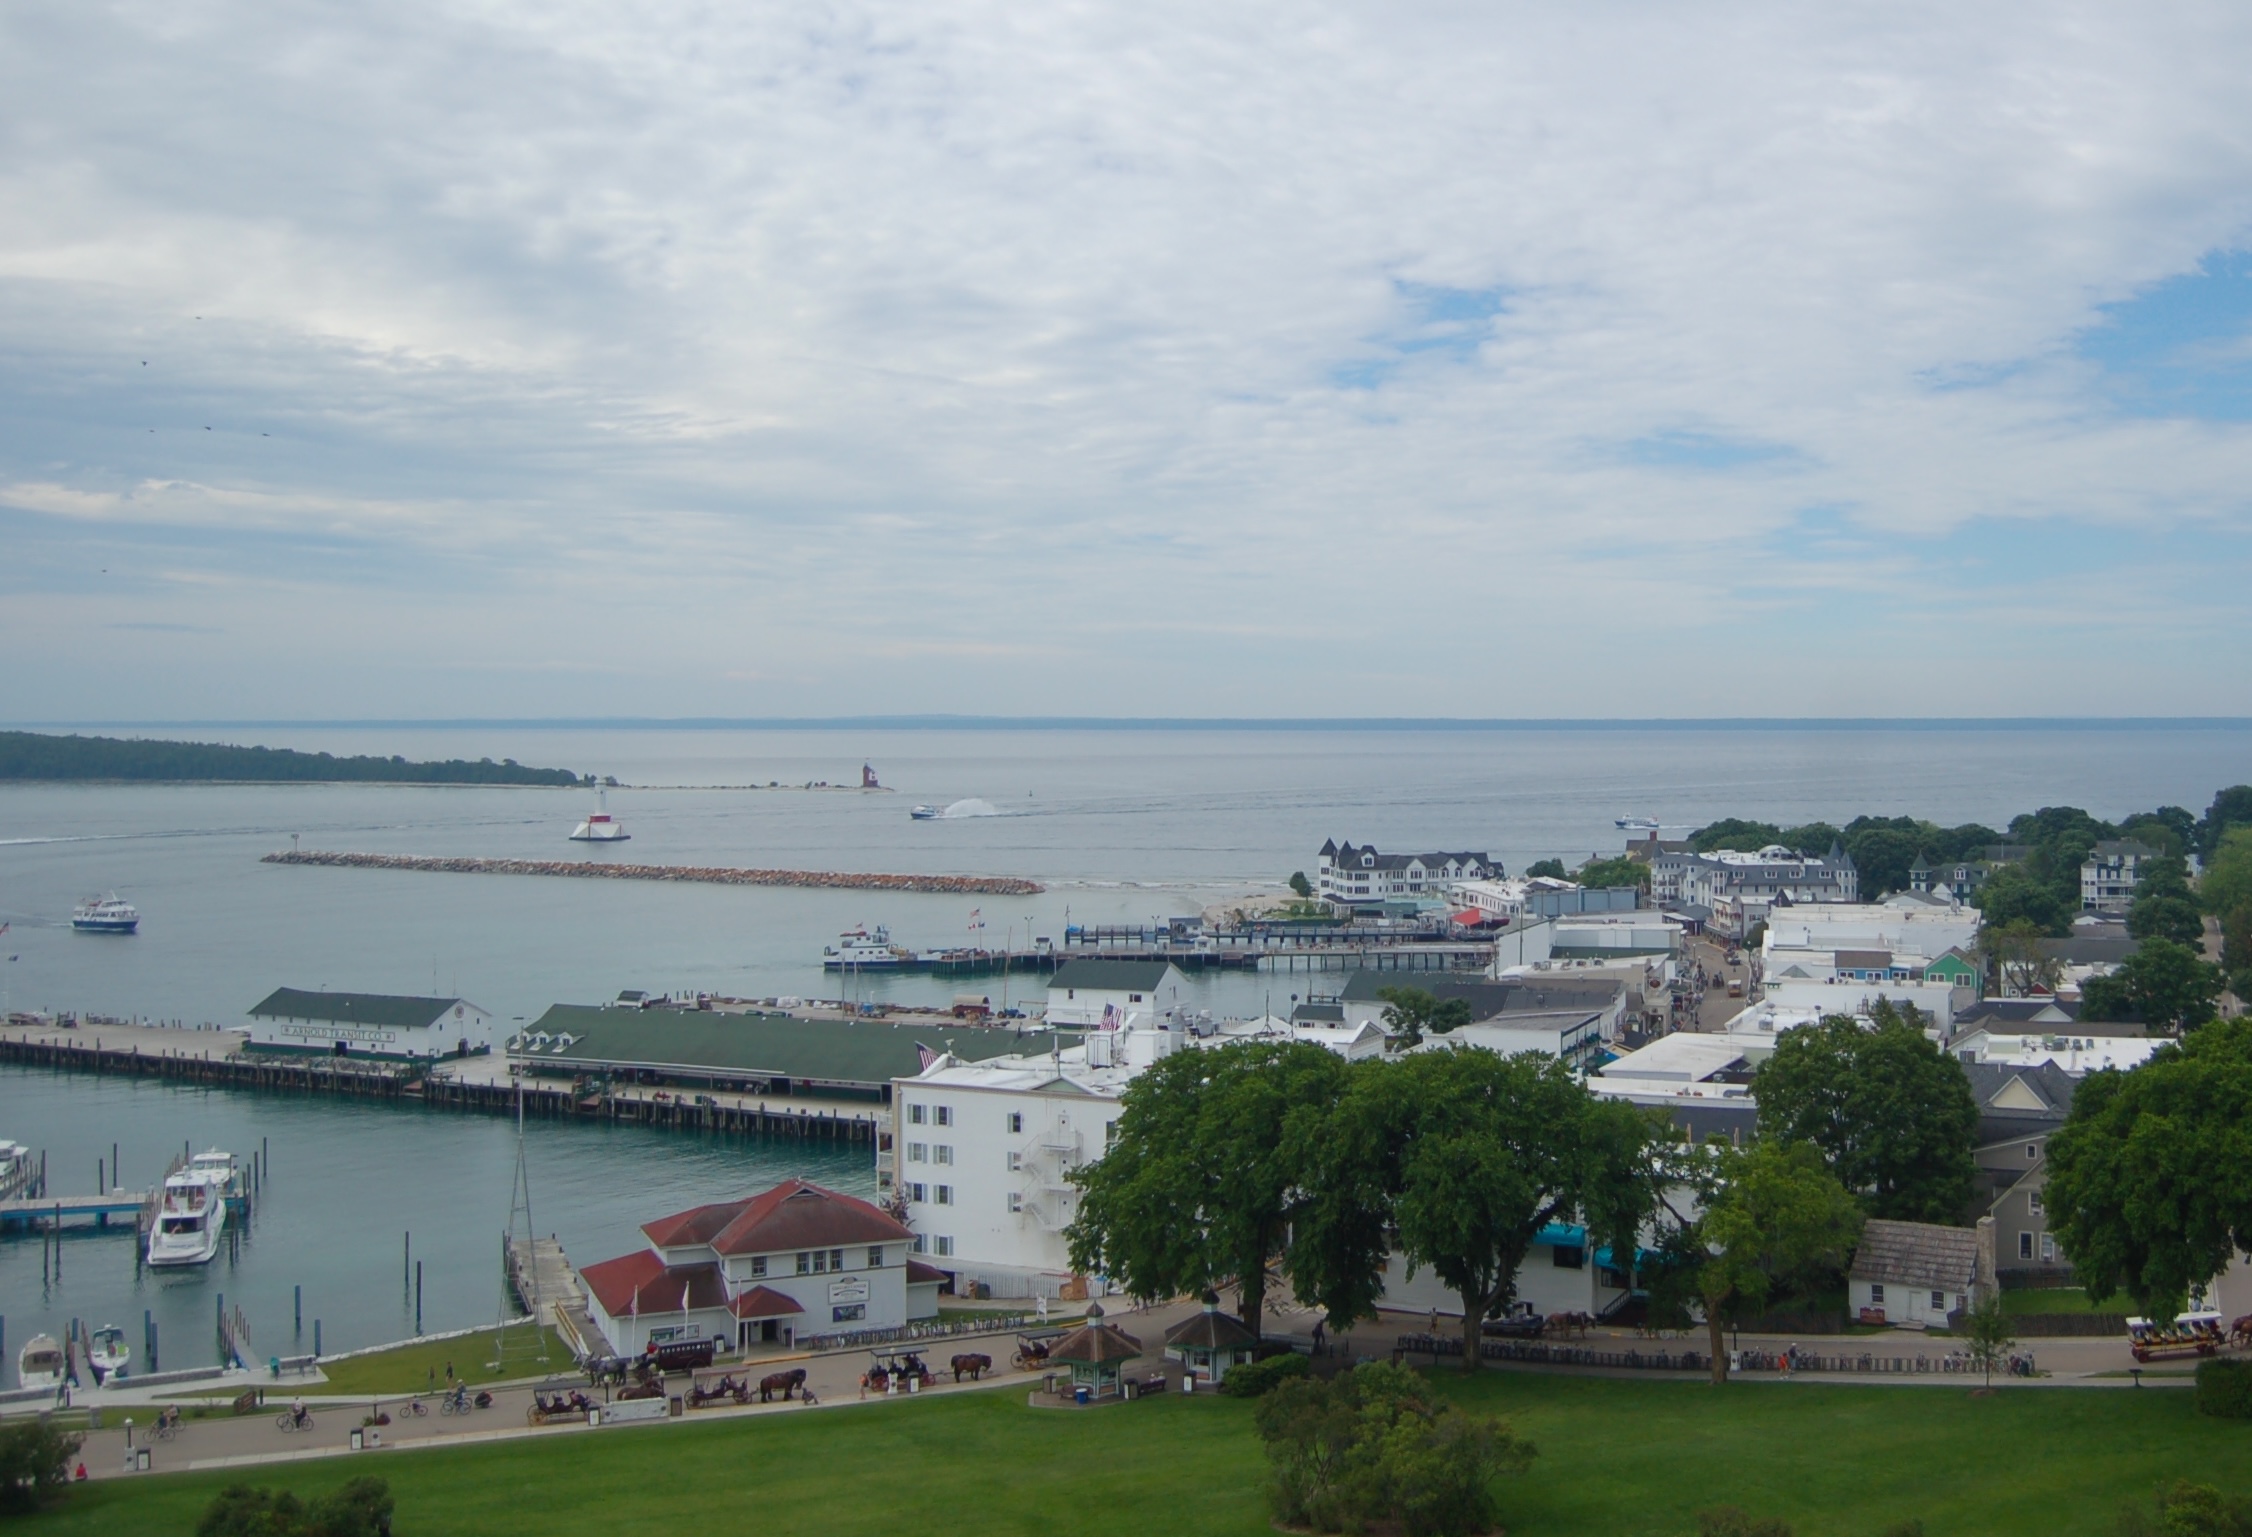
{"points": [[600, 826], [109, 914]]}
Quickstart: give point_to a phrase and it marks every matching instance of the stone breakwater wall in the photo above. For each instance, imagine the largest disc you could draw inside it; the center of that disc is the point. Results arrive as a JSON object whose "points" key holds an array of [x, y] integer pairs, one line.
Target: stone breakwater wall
{"points": [[713, 875]]}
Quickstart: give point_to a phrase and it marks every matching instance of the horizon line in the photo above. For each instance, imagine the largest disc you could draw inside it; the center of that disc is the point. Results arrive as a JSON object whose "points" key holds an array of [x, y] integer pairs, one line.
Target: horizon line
{"points": [[940, 722]]}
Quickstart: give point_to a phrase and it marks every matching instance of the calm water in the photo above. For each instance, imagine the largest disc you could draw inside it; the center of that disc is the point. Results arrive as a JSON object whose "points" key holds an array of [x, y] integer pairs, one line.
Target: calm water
{"points": [[1121, 825]]}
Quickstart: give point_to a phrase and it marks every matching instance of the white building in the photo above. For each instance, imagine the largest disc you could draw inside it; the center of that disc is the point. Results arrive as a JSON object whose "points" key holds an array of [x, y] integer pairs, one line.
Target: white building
{"points": [[2074, 1046], [1912, 1273], [1350, 876], [1819, 997], [1113, 994], [1740, 889], [2112, 871], [1906, 928], [797, 1260], [376, 1025]]}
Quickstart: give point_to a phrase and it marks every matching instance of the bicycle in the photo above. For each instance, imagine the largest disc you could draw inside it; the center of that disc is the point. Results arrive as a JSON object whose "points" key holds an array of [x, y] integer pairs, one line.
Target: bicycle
{"points": [[415, 1407], [456, 1402], [294, 1419]]}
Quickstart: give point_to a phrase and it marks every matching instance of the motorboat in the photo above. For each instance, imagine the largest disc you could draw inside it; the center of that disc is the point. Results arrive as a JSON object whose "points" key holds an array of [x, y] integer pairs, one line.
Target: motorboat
{"points": [[107, 1353], [600, 826], [40, 1363], [863, 949], [191, 1214], [109, 914], [1637, 824], [19, 1171], [220, 1168], [924, 814]]}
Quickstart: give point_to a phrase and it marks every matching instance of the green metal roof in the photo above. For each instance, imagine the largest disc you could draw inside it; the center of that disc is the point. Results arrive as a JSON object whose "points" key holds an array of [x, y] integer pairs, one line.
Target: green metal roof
{"points": [[354, 1008], [863, 1053], [1112, 976]]}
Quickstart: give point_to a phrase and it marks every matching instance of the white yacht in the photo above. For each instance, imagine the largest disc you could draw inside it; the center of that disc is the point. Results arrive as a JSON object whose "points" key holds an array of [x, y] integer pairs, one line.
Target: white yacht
{"points": [[863, 949], [1637, 824], [923, 814], [220, 1168], [107, 1353], [19, 1171], [40, 1363], [191, 1214], [109, 914], [600, 826]]}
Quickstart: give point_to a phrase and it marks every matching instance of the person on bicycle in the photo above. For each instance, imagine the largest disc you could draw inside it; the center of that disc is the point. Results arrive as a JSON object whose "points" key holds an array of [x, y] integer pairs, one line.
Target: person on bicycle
{"points": [[299, 1415]]}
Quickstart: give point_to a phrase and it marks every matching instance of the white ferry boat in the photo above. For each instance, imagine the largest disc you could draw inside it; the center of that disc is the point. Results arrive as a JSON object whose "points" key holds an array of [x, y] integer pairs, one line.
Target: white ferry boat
{"points": [[40, 1363], [1637, 824], [600, 826], [191, 1214], [107, 1353], [105, 915], [863, 950]]}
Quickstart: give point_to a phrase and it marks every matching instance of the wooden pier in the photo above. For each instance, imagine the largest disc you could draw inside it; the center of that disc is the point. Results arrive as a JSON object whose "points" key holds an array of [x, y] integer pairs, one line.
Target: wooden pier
{"points": [[121, 1207]]}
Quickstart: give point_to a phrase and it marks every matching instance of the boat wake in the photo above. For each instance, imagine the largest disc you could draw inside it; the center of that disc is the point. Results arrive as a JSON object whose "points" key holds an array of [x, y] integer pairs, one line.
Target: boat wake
{"points": [[972, 807]]}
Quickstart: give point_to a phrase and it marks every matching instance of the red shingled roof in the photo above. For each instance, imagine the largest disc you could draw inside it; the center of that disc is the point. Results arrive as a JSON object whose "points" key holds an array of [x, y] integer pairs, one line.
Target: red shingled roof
{"points": [[764, 1302], [796, 1214], [919, 1273], [643, 1283]]}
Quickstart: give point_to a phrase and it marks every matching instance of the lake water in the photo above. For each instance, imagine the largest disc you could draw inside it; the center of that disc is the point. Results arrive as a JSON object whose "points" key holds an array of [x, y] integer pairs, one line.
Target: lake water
{"points": [[1120, 826]]}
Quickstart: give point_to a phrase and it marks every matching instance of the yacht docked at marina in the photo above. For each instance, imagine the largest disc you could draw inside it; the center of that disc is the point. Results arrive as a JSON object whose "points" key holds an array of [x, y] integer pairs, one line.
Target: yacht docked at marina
{"points": [[191, 1213], [40, 1363]]}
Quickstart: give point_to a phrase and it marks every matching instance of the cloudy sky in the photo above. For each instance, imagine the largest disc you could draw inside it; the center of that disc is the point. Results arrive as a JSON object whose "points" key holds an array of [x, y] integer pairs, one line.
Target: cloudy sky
{"points": [[1092, 358]]}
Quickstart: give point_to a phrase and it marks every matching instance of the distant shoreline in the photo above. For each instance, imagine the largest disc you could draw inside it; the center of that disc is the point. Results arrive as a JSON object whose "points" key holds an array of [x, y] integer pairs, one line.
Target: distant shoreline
{"points": [[1183, 723], [35, 757]]}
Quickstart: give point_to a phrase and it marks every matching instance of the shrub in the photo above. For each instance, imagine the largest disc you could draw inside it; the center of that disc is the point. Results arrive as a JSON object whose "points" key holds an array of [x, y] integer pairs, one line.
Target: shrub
{"points": [[2189, 1510], [1369, 1445], [35, 1460], [2224, 1389], [1255, 1378], [360, 1507], [1729, 1521]]}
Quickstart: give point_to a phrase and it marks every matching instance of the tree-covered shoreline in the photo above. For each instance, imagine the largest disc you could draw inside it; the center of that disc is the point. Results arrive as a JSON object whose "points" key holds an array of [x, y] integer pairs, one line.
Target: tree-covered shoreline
{"points": [[34, 755]]}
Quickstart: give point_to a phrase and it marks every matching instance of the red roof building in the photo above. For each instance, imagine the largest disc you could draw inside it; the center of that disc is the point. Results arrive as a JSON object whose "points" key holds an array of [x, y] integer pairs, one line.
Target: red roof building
{"points": [[796, 1260]]}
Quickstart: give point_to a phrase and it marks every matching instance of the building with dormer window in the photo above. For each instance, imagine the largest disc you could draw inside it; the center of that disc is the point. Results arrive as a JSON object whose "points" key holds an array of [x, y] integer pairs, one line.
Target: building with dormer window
{"points": [[1346, 876]]}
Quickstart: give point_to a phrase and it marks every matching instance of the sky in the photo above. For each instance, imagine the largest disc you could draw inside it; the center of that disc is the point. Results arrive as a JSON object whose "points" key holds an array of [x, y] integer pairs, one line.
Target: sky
{"points": [[685, 358]]}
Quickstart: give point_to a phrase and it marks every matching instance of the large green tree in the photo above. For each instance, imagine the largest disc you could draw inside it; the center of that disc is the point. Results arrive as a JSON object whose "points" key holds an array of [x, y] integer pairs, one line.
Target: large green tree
{"points": [[1779, 1221], [2163, 984], [1411, 1013], [2148, 1187], [1734, 833], [2226, 885], [1890, 1112], [1617, 871], [2231, 808], [2014, 894], [1490, 1150], [2013, 952], [1205, 1169]]}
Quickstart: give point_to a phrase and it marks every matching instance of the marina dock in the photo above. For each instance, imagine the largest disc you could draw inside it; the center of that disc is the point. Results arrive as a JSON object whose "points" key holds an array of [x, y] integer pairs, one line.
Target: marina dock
{"points": [[120, 1207]]}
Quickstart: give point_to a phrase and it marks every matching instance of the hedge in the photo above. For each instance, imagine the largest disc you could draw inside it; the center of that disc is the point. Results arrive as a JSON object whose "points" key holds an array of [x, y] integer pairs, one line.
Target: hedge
{"points": [[1256, 1377], [2224, 1389]]}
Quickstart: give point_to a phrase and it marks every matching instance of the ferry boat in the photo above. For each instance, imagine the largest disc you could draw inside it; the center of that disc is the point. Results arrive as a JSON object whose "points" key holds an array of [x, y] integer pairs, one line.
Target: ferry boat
{"points": [[924, 814], [600, 826], [863, 950], [191, 1214], [107, 1353], [40, 1363], [105, 915], [1637, 824]]}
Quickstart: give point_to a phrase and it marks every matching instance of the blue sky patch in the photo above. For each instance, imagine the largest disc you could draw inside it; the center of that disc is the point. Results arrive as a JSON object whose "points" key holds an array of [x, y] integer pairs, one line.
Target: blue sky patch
{"points": [[1449, 322], [2183, 346]]}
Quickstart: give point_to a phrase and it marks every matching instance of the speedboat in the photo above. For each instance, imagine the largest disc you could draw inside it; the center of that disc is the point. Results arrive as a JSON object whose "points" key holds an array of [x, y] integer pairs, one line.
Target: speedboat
{"points": [[600, 826], [107, 1353], [190, 1216], [40, 1363], [862, 950], [105, 915], [924, 813], [1637, 824]]}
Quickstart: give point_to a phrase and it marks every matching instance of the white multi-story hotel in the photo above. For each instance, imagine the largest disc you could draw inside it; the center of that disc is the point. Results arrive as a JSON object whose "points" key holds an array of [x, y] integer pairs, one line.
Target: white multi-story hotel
{"points": [[2112, 871], [1348, 876], [1740, 890]]}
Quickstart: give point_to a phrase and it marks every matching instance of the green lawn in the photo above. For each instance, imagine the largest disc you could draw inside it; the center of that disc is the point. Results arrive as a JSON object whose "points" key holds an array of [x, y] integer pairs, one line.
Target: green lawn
{"points": [[1617, 1458], [2059, 1299], [413, 1368]]}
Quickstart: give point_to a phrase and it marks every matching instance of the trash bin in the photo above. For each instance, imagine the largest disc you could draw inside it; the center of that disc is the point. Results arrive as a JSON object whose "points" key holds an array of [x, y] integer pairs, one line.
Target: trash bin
{"points": [[676, 1408], [1126, 1390], [594, 1417], [358, 1438]]}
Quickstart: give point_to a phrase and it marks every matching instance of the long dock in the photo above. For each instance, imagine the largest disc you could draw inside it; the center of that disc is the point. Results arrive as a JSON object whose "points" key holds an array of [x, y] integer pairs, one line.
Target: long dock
{"points": [[1340, 955], [714, 875], [51, 1212]]}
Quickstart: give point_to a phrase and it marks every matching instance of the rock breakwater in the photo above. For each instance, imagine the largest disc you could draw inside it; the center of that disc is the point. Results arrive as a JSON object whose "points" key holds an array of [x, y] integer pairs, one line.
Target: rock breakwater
{"points": [[713, 875]]}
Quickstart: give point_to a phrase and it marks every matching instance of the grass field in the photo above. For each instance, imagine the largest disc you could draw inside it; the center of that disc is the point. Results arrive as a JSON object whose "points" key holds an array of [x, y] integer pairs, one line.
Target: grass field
{"points": [[2059, 1299], [413, 1368], [1620, 1459]]}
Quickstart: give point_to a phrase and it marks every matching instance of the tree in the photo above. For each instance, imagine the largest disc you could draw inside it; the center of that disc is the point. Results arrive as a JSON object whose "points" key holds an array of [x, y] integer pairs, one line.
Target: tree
{"points": [[1779, 1221], [1883, 850], [2013, 951], [2163, 984], [1889, 1111], [1552, 868], [1300, 885], [2014, 894], [1620, 871], [35, 1463], [1734, 833], [2231, 808], [360, 1507], [1987, 1331], [1410, 1013], [2226, 885], [2167, 917], [1814, 838], [1495, 1148], [2146, 1188], [1201, 1181]]}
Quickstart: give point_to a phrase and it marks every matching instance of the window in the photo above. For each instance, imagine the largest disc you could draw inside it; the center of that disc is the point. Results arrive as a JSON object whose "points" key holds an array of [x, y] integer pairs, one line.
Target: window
{"points": [[2033, 1199], [2025, 1246], [918, 1192], [944, 1194], [836, 1259], [918, 1152], [942, 1115], [1016, 1120], [758, 1264], [915, 1115], [848, 1313], [1134, 997], [918, 1245], [2048, 1248], [1016, 1161], [1016, 1202], [2032, 1152], [805, 1264], [1939, 1299], [943, 1247], [875, 1256], [1876, 1294], [942, 1152], [1571, 1256]]}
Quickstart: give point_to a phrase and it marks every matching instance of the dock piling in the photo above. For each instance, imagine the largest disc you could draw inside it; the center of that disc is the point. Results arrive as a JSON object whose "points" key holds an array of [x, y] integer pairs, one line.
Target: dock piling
{"points": [[316, 1339], [297, 1307], [418, 1297]]}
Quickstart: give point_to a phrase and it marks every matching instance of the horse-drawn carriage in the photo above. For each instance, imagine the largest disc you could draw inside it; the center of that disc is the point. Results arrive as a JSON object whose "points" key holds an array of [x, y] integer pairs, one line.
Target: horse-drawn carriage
{"points": [[2240, 1333], [1519, 1323], [725, 1388], [2190, 1334], [896, 1371], [1032, 1350], [557, 1407]]}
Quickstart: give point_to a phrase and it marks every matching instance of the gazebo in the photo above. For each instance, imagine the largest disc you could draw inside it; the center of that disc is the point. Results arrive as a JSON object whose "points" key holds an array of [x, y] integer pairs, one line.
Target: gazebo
{"points": [[1097, 1353], [1212, 1341]]}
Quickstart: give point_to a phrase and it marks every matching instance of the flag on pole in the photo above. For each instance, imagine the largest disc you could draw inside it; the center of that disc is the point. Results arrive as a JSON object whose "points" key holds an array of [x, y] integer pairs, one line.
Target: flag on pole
{"points": [[925, 1055], [977, 918]]}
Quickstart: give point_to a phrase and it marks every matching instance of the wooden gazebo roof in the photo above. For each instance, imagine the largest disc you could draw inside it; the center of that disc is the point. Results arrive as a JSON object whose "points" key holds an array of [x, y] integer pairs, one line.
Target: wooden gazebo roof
{"points": [[1211, 1330], [1095, 1343]]}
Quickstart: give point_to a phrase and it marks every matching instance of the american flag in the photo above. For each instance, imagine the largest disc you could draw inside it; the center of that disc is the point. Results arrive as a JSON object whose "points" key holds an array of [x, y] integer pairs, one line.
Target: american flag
{"points": [[977, 918], [925, 1056]]}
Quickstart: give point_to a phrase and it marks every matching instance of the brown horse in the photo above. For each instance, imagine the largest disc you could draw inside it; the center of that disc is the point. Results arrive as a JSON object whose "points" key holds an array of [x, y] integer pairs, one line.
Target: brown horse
{"points": [[1563, 1324], [976, 1365], [788, 1382]]}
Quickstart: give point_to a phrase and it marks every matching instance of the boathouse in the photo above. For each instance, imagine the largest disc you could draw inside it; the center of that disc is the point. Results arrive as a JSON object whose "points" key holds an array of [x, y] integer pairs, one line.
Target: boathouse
{"points": [[377, 1025], [796, 1260]]}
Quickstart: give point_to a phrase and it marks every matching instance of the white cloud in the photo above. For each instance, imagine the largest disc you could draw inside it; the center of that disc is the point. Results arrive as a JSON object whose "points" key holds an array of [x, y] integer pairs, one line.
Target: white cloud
{"points": [[961, 352]]}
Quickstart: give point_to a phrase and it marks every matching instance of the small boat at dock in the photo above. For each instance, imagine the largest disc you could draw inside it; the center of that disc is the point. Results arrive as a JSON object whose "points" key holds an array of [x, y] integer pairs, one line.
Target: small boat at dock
{"points": [[19, 1171], [107, 1353], [40, 1363], [109, 914]]}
